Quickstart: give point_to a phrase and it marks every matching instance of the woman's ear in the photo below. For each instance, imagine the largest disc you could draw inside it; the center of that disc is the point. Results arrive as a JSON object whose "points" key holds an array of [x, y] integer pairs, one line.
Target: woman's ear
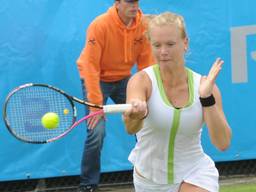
{"points": [[186, 40]]}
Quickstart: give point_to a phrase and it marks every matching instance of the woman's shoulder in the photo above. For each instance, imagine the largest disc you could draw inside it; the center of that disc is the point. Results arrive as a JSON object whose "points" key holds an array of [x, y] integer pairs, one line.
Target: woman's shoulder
{"points": [[141, 75]]}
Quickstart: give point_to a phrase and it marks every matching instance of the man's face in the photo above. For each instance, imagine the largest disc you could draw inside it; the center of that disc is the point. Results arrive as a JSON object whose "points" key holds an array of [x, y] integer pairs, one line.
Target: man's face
{"points": [[128, 8]]}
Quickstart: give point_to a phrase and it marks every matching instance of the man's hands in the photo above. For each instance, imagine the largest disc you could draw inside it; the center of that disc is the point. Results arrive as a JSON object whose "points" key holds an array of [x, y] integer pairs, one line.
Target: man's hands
{"points": [[94, 120]]}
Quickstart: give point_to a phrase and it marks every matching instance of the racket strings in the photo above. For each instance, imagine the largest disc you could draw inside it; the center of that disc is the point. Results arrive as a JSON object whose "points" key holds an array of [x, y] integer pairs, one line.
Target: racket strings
{"points": [[27, 106]]}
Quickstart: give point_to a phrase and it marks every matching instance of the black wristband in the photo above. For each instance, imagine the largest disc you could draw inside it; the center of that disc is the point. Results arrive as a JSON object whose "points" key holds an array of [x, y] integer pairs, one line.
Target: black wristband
{"points": [[208, 101]]}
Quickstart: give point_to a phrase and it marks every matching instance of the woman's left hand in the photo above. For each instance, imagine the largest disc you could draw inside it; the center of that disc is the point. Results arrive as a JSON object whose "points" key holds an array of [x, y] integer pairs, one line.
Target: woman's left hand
{"points": [[207, 84]]}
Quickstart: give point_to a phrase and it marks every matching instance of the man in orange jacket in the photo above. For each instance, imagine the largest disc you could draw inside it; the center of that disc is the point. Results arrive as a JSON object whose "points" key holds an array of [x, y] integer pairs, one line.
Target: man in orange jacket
{"points": [[115, 42]]}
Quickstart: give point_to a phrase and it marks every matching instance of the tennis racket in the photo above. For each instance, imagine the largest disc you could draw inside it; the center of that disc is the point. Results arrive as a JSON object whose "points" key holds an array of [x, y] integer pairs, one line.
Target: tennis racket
{"points": [[25, 106]]}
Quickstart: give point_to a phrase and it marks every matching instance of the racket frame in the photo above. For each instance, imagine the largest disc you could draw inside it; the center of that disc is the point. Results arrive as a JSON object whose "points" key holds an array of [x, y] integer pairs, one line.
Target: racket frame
{"points": [[70, 99], [102, 109]]}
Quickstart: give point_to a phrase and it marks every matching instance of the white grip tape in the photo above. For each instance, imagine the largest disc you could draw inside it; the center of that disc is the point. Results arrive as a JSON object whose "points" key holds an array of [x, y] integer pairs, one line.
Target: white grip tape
{"points": [[117, 108]]}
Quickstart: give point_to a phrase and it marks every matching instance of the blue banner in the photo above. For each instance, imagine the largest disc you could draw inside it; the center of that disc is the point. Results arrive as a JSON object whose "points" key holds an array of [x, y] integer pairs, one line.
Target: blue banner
{"points": [[40, 42]]}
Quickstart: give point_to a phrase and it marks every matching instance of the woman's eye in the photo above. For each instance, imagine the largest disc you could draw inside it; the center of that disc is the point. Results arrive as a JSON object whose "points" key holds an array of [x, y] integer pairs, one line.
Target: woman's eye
{"points": [[171, 44], [156, 45]]}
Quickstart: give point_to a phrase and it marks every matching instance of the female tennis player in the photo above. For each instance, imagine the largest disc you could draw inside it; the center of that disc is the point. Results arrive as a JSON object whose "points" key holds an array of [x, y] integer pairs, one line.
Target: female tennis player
{"points": [[168, 113]]}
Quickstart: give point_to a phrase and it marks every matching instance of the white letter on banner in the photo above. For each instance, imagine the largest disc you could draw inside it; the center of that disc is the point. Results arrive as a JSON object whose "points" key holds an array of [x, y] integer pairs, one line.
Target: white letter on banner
{"points": [[239, 52]]}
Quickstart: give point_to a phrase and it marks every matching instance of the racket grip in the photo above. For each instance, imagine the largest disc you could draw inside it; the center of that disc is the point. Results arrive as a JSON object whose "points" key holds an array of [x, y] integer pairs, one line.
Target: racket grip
{"points": [[117, 108]]}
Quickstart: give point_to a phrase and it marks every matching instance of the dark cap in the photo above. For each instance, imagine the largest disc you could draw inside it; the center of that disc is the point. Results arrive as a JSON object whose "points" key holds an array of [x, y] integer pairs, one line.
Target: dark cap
{"points": [[130, 1]]}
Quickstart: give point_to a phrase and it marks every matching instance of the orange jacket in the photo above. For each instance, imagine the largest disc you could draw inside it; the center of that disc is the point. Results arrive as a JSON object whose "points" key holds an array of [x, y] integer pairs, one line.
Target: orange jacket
{"points": [[111, 50]]}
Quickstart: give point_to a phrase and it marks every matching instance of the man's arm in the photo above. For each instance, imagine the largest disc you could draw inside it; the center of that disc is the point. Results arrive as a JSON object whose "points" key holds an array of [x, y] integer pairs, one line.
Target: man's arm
{"points": [[89, 63]]}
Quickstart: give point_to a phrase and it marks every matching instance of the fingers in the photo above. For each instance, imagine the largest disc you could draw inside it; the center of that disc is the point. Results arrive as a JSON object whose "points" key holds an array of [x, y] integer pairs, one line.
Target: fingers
{"points": [[138, 110], [215, 69], [206, 87], [93, 121]]}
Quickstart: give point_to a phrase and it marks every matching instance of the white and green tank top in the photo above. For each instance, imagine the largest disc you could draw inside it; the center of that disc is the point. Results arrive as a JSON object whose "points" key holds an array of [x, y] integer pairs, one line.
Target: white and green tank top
{"points": [[169, 144]]}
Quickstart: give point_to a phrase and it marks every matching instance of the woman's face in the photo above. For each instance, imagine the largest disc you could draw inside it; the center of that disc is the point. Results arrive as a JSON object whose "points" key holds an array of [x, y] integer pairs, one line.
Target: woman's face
{"points": [[168, 45]]}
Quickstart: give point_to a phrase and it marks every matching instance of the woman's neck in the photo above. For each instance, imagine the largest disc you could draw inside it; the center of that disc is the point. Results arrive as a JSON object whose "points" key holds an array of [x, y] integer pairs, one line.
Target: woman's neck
{"points": [[174, 76]]}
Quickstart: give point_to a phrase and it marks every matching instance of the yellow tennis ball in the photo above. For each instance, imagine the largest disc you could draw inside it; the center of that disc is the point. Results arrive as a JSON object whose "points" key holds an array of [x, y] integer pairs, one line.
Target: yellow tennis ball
{"points": [[66, 111], [50, 120]]}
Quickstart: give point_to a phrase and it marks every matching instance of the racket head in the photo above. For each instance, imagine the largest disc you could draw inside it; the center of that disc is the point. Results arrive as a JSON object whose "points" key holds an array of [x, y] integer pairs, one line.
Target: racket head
{"points": [[25, 106]]}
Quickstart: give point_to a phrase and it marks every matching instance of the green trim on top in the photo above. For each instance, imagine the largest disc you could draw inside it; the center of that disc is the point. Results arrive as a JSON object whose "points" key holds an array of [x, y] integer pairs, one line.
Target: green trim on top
{"points": [[176, 116], [190, 87], [160, 85], [173, 133]]}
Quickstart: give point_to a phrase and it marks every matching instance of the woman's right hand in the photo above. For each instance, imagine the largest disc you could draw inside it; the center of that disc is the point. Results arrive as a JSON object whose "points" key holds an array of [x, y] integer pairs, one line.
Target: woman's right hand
{"points": [[137, 111]]}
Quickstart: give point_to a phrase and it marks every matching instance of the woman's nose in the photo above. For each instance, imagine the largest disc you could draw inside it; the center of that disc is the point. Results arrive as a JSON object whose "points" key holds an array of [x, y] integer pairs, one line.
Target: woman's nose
{"points": [[163, 50]]}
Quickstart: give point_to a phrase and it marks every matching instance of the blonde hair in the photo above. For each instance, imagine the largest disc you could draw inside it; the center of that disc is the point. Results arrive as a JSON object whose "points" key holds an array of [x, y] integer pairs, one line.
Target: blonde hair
{"points": [[146, 18], [149, 17], [167, 18]]}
